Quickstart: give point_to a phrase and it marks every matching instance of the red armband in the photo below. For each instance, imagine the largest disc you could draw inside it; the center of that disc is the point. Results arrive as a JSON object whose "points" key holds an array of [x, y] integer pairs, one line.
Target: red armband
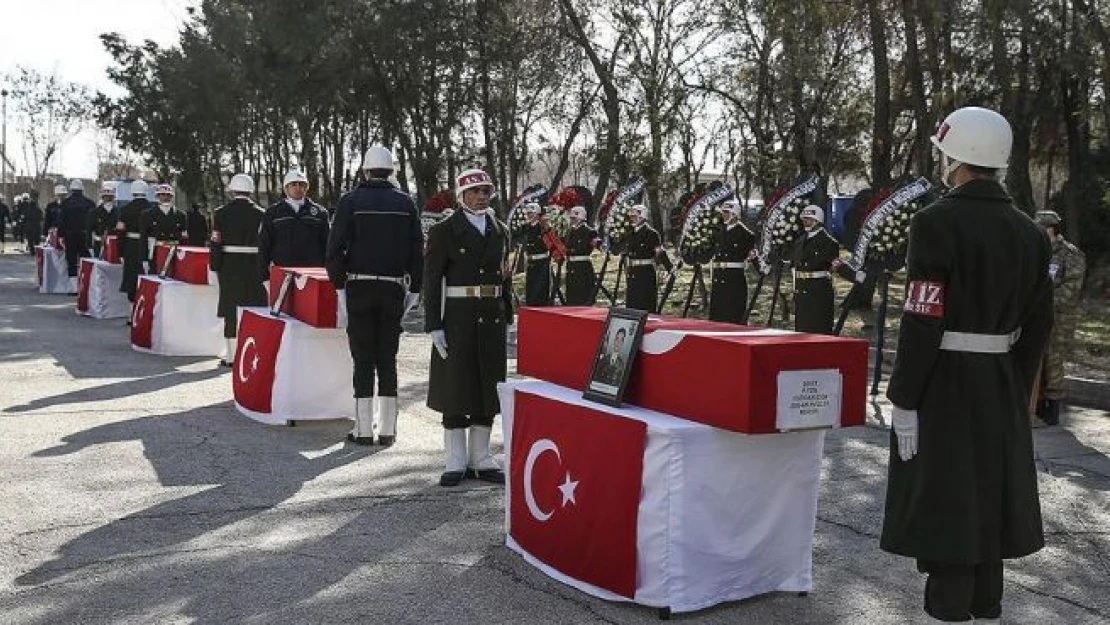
{"points": [[925, 298]]}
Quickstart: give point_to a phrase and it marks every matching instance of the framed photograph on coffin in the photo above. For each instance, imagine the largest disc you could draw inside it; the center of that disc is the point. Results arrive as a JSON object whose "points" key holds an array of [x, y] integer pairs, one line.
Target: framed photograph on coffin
{"points": [[616, 352]]}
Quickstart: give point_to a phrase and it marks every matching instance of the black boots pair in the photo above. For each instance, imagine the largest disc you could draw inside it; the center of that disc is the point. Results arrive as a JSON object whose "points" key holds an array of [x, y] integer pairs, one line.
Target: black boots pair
{"points": [[1049, 411]]}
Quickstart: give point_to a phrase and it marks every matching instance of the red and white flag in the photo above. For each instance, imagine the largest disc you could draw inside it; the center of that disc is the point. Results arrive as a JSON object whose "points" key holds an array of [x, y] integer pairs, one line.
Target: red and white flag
{"points": [[84, 281], [256, 360], [142, 313], [575, 484]]}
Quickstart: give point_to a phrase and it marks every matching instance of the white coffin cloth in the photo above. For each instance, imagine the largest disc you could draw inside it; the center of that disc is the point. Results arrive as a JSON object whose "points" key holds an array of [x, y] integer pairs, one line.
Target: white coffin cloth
{"points": [[185, 321], [55, 271], [723, 516], [105, 299], [313, 375]]}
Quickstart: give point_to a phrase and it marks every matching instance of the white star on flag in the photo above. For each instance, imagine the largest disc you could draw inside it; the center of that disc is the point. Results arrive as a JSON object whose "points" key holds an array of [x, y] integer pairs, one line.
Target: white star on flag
{"points": [[567, 488]]}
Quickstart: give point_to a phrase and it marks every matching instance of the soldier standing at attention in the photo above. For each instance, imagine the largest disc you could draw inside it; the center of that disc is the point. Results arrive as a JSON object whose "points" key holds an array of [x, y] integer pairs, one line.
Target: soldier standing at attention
{"points": [[73, 225], [962, 490], [537, 277], [103, 219], [376, 252], [53, 211], [233, 255], [644, 249], [294, 230], [581, 242], [1066, 271], [735, 244], [812, 260], [163, 223], [467, 308], [132, 242]]}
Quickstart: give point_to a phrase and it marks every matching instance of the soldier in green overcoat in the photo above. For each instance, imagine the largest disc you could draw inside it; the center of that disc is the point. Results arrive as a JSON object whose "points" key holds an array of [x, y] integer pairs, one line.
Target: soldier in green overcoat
{"points": [[962, 491]]}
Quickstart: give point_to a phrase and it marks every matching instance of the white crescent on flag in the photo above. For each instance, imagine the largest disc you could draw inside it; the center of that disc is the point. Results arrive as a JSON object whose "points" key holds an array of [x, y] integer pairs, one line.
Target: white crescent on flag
{"points": [[567, 488], [140, 306], [243, 360]]}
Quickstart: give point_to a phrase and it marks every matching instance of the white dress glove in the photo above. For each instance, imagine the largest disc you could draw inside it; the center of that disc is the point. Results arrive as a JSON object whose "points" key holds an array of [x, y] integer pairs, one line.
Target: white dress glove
{"points": [[905, 430], [439, 339], [861, 276]]}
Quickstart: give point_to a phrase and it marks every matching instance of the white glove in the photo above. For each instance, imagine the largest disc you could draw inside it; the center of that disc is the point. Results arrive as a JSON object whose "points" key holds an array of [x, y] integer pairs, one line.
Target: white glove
{"points": [[410, 302], [439, 339], [146, 266], [861, 276], [905, 430]]}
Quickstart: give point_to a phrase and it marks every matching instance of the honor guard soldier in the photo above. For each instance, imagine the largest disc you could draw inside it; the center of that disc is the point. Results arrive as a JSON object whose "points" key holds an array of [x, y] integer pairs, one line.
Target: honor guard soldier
{"points": [[132, 241], [467, 309], [1066, 271], [537, 277], [31, 224], [196, 226], [294, 230], [163, 222], [581, 242], [53, 212], [103, 219], [812, 259], [376, 252], [644, 249], [233, 255], [735, 243], [73, 226], [962, 490]]}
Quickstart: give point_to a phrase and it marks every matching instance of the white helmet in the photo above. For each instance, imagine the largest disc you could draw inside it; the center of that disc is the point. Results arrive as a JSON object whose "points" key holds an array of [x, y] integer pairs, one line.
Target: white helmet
{"points": [[471, 179], [163, 189], [241, 183], [975, 136], [579, 212], [814, 212], [731, 205], [638, 209], [76, 185], [138, 188], [60, 189], [378, 157], [108, 189], [294, 175], [532, 207]]}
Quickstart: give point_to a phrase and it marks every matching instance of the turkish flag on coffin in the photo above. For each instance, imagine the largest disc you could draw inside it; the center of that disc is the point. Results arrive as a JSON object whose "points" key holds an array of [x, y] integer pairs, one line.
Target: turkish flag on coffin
{"points": [[84, 279], [256, 361], [575, 477], [142, 313]]}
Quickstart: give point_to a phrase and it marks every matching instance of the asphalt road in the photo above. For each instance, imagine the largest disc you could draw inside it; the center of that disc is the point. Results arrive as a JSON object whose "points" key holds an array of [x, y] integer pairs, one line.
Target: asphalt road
{"points": [[132, 492]]}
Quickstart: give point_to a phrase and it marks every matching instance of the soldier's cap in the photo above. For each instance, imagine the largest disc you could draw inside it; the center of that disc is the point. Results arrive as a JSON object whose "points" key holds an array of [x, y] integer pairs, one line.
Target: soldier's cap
{"points": [[1048, 218]]}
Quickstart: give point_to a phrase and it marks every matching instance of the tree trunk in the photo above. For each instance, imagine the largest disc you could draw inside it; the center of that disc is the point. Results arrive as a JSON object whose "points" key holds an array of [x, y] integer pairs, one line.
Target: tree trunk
{"points": [[882, 134]]}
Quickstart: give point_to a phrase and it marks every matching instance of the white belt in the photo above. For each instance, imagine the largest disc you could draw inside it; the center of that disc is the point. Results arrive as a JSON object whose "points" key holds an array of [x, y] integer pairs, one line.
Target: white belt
{"points": [[643, 262], [484, 290], [96, 238], [539, 256], [729, 265], [240, 249], [133, 235], [979, 343], [579, 259], [370, 276], [810, 275]]}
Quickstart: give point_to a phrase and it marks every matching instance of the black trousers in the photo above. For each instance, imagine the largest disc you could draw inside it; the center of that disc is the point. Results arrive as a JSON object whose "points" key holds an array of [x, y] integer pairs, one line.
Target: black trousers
{"points": [[537, 283], [374, 310], [958, 593], [75, 251], [458, 421]]}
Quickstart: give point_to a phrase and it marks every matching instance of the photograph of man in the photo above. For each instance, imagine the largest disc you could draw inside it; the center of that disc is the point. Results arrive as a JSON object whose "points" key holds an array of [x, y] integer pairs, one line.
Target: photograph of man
{"points": [[614, 359]]}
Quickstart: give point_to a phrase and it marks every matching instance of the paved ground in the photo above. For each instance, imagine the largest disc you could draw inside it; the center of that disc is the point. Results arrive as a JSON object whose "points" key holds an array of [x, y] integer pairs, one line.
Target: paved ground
{"points": [[133, 493]]}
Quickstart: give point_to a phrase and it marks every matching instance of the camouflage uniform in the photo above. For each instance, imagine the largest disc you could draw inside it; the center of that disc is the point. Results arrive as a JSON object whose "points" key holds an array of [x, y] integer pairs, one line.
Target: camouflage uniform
{"points": [[1066, 270]]}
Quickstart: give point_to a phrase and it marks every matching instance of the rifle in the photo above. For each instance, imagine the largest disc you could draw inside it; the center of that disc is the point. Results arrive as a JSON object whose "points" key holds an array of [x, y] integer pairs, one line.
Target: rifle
{"points": [[598, 286], [165, 270], [283, 293], [672, 275]]}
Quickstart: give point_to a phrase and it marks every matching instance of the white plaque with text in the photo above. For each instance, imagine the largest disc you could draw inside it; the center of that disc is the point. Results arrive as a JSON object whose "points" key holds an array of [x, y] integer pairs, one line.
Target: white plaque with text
{"points": [[808, 399]]}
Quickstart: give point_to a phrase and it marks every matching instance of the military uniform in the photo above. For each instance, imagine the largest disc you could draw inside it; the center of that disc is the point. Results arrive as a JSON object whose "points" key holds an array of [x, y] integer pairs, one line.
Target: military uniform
{"points": [[811, 262], [52, 216], [196, 228], [73, 225], [467, 295], [31, 224], [293, 236], [132, 244], [234, 257], [1065, 269], [643, 247], [537, 276], [729, 293], [580, 275], [102, 221], [977, 315]]}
